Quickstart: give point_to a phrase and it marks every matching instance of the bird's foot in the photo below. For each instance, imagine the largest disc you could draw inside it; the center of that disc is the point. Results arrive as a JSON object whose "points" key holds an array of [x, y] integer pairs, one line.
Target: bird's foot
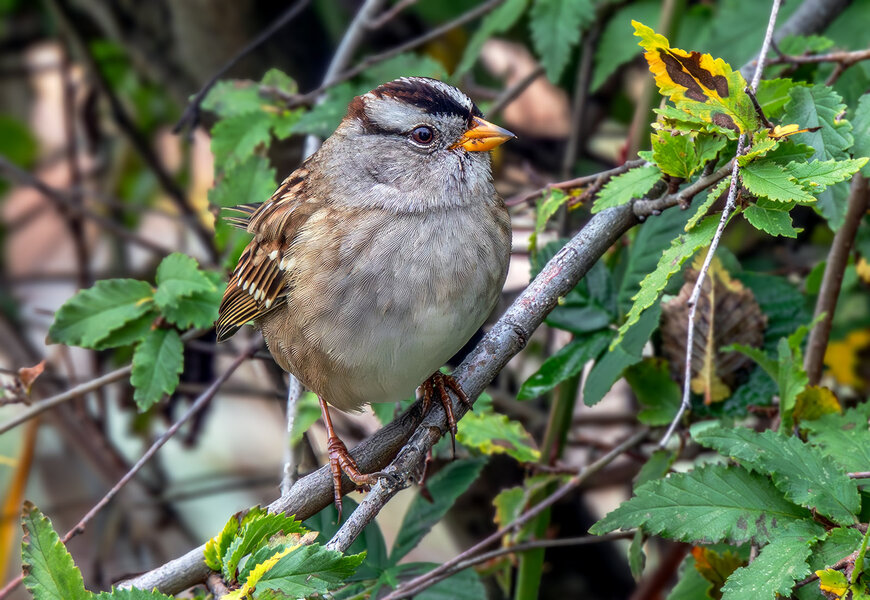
{"points": [[340, 461], [437, 384]]}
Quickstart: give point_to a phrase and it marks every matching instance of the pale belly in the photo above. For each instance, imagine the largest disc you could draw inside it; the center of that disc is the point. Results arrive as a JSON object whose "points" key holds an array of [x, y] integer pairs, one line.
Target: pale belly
{"points": [[394, 308]]}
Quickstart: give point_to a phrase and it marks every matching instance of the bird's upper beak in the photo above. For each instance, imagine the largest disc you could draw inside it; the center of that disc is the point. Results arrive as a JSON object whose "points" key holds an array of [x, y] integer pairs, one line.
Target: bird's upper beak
{"points": [[483, 135]]}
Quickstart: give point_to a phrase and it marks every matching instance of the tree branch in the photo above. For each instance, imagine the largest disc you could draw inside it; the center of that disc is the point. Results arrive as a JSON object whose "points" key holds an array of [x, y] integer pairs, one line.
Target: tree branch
{"points": [[832, 280]]}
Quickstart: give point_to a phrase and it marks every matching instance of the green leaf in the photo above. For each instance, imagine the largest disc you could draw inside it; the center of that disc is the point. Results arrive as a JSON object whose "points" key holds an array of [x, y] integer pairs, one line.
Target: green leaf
{"points": [[565, 363], [691, 585], [555, 27], [609, 368], [199, 309], [771, 221], [772, 96], [861, 123], [49, 571], [612, 51], [178, 276], [781, 301], [445, 487], [680, 155], [832, 205], [90, 316], [774, 572], [627, 186], [499, 20], [816, 175], [712, 195], [464, 585], [651, 382], [798, 470], [307, 413], [761, 146], [770, 180], [322, 119], [217, 546], [682, 248], [17, 142], [304, 571], [157, 363], [819, 106], [547, 207], [235, 138], [709, 504], [844, 438], [252, 180], [253, 535], [131, 594], [129, 333], [493, 433], [233, 97], [636, 557], [656, 467]]}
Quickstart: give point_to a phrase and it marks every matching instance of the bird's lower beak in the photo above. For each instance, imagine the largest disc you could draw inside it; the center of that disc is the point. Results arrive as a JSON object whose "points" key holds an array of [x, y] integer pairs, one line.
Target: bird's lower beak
{"points": [[483, 136]]}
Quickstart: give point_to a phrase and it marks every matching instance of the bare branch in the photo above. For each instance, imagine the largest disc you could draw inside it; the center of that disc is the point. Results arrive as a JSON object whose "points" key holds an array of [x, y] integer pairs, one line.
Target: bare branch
{"points": [[832, 280]]}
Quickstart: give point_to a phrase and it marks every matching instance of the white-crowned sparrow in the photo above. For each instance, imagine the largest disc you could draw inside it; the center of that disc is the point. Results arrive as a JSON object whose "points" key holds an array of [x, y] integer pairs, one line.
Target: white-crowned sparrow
{"points": [[379, 257]]}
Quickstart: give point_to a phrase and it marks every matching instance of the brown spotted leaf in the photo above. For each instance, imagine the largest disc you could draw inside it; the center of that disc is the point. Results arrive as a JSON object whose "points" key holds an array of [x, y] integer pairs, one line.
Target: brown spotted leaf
{"points": [[727, 313], [698, 84]]}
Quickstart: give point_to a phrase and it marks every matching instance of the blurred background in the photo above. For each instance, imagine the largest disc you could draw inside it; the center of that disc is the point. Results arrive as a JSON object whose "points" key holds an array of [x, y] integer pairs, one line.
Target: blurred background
{"points": [[96, 184]]}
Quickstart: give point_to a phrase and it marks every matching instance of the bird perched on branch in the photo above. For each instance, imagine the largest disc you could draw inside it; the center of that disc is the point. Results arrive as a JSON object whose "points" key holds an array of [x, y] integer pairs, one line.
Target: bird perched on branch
{"points": [[376, 260]]}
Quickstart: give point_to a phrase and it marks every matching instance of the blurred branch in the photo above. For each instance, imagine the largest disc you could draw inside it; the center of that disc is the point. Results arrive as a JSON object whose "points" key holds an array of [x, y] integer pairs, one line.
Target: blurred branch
{"points": [[190, 116], [426, 580], [832, 280], [128, 127], [513, 92], [69, 204], [730, 205], [389, 14]]}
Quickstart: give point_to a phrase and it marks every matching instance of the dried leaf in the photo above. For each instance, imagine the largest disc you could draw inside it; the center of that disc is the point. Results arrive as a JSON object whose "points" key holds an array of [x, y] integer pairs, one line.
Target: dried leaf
{"points": [[27, 375], [815, 402], [727, 313]]}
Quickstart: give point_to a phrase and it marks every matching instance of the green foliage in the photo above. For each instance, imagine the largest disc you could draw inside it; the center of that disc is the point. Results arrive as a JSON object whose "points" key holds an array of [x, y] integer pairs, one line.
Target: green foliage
{"points": [[494, 433], [611, 51], [627, 186], [49, 572], [498, 21], [770, 220], [772, 181], [252, 180], [861, 124], [234, 138], [651, 382], [820, 106], [555, 27], [566, 363], [547, 207], [774, 572], [711, 503], [445, 487], [844, 438], [178, 276], [800, 471], [681, 155], [157, 364]]}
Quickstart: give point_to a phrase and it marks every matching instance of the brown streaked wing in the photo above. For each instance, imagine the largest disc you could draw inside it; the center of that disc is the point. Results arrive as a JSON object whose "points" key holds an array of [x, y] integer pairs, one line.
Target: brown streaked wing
{"points": [[257, 284]]}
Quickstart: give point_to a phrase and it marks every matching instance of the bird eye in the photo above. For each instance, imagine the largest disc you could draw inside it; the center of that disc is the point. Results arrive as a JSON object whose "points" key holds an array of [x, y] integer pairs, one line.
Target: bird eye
{"points": [[422, 135]]}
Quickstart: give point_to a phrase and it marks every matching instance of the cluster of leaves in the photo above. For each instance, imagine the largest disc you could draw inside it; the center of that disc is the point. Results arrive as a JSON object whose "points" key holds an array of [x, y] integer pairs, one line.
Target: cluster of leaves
{"points": [[128, 312]]}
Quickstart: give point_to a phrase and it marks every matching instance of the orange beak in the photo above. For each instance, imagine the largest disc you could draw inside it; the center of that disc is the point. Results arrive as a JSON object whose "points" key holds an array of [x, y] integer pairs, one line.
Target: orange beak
{"points": [[483, 136]]}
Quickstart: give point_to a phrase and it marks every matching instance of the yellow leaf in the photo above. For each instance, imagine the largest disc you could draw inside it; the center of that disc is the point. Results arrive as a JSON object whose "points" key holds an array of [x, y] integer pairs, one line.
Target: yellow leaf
{"points": [[815, 402], [834, 582], [842, 358], [863, 269], [698, 84], [782, 131]]}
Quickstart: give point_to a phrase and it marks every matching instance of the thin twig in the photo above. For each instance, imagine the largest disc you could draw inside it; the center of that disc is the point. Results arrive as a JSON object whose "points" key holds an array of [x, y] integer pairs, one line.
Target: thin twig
{"points": [[288, 474], [190, 116], [514, 91], [730, 204], [577, 182], [832, 280], [846, 58], [420, 583], [194, 408], [389, 14], [860, 475], [353, 35]]}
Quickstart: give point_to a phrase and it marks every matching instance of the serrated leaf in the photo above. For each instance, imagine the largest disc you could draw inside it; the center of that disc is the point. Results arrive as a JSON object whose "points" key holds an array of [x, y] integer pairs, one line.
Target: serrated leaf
{"points": [[445, 487], [681, 155], [252, 180], [834, 582], [709, 504], [304, 571], [713, 194], [233, 139], [494, 433], [759, 148], [682, 248], [651, 382], [49, 571], [774, 571], [547, 207], [816, 175], [772, 96], [697, 83], [555, 27], [255, 534], [861, 131], [656, 466], [820, 106], [178, 276], [770, 180], [770, 221], [499, 20], [217, 546], [565, 363], [157, 364], [843, 438], [798, 470], [130, 332], [199, 309], [91, 315], [623, 188], [232, 97], [510, 503]]}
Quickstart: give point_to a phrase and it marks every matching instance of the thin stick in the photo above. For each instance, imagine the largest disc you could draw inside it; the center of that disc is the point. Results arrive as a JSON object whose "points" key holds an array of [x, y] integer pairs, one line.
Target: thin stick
{"points": [[420, 583], [514, 92], [190, 116], [730, 204], [832, 280], [288, 476]]}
